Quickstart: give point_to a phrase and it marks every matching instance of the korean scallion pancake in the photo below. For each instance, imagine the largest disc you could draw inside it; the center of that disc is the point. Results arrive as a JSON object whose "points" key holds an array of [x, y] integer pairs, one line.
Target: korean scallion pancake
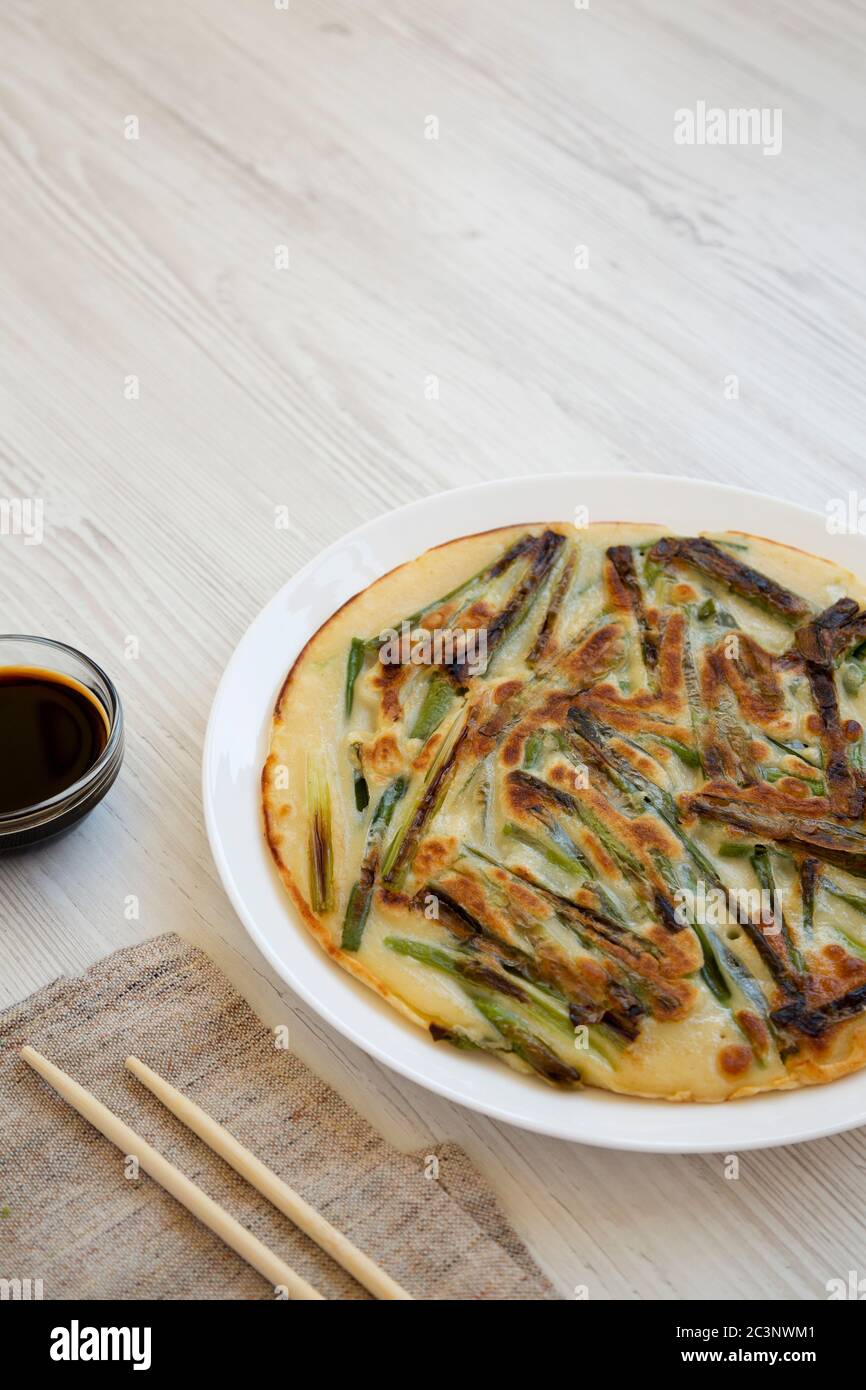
{"points": [[592, 802]]}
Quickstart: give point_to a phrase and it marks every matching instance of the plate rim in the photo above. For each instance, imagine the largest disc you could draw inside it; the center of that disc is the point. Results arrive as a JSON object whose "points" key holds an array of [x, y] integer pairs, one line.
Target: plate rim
{"points": [[635, 1143]]}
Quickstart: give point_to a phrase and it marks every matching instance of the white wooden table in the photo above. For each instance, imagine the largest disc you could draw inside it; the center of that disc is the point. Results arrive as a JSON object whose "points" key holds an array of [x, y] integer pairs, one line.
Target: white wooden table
{"points": [[168, 384]]}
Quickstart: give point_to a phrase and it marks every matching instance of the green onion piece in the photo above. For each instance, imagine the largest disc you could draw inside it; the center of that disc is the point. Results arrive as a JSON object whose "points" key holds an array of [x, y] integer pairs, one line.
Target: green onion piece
{"points": [[567, 858], [458, 1039], [465, 966], [808, 880], [620, 852], [438, 698], [362, 791], [711, 971], [361, 896], [483, 982], [852, 943], [697, 710], [776, 774], [533, 748], [432, 793], [357, 912], [684, 753], [468, 588], [763, 867], [813, 756], [854, 900], [853, 676], [483, 985], [528, 1046], [320, 849], [354, 662], [387, 801]]}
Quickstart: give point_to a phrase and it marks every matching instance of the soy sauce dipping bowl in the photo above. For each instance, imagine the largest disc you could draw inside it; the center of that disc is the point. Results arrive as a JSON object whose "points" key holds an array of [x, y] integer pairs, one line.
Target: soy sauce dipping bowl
{"points": [[31, 825]]}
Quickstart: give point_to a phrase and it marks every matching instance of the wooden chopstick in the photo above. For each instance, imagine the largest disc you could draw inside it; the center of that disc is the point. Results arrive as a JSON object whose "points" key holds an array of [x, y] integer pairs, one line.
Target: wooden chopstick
{"points": [[282, 1196], [275, 1270]]}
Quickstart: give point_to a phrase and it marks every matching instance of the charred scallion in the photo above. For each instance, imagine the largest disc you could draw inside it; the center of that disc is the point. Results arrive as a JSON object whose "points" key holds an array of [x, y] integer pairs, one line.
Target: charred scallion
{"points": [[741, 579], [359, 781], [483, 984], [827, 838], [763, 867], [543, 640], [402, 848], [320, 849], [529, 1047], [697, 709], [471, 586], [358, 906], [622, 560], [808, 882], [711, 971], [522, 598]]}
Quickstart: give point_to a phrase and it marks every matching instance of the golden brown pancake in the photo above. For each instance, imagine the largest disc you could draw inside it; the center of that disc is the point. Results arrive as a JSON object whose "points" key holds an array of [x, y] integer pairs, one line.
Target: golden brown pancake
{"points": [[592, 801]]}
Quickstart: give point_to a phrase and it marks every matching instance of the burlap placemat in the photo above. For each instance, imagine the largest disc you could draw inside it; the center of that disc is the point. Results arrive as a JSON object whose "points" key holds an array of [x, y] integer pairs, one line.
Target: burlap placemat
{"points": [[72, 1217]]}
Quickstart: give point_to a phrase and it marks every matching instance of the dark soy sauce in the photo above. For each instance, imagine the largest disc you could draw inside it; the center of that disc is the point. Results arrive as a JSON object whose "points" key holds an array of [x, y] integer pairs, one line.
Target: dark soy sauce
{"points": [[52, 731]]}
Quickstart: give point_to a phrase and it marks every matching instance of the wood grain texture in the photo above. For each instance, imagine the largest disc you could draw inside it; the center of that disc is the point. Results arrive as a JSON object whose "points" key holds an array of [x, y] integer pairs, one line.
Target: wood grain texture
{"points": [[310, 388]]}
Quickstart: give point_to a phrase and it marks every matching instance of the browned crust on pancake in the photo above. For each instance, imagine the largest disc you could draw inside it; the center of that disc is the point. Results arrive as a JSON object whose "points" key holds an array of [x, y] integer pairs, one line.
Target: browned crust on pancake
{"points": [[802, 1070]]}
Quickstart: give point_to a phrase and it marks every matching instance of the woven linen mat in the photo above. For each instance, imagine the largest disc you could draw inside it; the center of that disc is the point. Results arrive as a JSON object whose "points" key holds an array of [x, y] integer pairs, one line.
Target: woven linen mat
{"points": [[72, 1217]]}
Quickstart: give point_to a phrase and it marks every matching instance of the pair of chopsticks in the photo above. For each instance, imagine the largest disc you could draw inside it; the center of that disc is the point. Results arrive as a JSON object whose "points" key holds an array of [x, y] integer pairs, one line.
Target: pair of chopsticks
{"points": [[209, 1212]]}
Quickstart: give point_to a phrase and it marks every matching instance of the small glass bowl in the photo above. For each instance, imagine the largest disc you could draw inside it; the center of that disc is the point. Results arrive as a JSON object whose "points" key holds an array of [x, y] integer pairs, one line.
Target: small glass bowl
{"points": [[33, 824]]}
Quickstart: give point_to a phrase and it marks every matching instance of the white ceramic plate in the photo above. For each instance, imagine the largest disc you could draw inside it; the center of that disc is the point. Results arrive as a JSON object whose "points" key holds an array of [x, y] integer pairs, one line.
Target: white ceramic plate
{"points": [[236, 746]]}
